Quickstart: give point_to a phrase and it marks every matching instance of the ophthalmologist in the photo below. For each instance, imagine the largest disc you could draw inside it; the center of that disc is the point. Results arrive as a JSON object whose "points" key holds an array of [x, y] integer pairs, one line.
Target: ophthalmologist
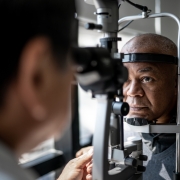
{"points": [[35, 81]]}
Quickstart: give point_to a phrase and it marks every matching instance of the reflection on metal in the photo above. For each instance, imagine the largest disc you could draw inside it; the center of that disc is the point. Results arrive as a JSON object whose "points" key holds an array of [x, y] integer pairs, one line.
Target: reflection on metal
{"points": [[157, 21], [177, 152]]}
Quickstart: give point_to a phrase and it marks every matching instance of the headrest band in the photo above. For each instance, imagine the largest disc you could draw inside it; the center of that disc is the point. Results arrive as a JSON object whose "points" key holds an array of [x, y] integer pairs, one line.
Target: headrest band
{"points": [[149, 57]]}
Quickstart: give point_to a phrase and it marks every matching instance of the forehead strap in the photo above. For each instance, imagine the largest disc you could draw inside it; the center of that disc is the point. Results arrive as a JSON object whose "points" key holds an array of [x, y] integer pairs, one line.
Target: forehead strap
{"points": [[149, 57]]}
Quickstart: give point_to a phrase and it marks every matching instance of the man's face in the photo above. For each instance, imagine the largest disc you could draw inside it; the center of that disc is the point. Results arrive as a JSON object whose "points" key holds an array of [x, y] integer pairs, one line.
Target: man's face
{"points": [[150, 90]]}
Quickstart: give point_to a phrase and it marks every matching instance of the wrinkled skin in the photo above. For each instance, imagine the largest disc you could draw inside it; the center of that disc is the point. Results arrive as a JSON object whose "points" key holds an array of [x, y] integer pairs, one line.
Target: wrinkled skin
{"points": [[151, 88], [150, 91]]}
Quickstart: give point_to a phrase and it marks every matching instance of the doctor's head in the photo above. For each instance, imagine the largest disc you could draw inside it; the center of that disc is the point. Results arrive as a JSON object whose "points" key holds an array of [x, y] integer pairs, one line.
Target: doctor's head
{"points": [[36, 70]]}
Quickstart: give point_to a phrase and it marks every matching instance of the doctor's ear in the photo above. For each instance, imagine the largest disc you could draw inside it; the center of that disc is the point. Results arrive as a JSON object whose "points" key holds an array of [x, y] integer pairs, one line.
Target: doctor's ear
{"points": [[34, 68]]}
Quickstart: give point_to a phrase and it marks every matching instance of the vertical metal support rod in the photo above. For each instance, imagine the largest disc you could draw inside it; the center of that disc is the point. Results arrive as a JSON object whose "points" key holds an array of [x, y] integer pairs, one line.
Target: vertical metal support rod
{"points": [[121, 132], [178, 105], [177, 152], [100, 140]]}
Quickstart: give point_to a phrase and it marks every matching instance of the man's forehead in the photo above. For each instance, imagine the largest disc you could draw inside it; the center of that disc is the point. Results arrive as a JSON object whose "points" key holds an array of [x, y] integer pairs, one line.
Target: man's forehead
{"points": [[138, 45], [142, 67]]}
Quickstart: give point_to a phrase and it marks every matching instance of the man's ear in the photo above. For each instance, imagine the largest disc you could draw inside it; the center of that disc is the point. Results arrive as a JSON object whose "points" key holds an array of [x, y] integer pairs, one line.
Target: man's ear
{"points": [[30, 78]]}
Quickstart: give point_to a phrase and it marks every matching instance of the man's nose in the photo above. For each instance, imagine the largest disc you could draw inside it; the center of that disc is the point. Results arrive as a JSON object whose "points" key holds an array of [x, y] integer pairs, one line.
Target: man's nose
{"points": [[135, 89]]}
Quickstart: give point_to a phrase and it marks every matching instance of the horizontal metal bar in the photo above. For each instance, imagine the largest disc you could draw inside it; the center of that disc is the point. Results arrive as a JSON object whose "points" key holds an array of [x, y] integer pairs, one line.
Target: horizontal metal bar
{"points": [[164, 129], [158, 128]]}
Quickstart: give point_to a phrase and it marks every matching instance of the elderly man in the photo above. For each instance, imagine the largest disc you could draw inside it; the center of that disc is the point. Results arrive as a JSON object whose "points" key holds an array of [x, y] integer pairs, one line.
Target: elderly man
{"points": [[151, 91]]}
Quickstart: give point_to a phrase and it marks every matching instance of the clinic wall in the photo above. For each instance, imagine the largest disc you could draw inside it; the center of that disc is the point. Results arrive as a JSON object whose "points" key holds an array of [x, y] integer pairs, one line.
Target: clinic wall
{"points": [[169, 27]]}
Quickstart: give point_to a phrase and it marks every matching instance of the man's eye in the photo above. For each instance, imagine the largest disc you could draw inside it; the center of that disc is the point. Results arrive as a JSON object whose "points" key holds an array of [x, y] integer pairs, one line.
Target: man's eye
{"points": [[146, 79]]}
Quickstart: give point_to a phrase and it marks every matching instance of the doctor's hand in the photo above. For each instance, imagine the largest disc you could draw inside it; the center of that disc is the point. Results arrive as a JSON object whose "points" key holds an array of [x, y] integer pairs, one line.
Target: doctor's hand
{"points": [[83, 150], [76, 169], [89, 171]]}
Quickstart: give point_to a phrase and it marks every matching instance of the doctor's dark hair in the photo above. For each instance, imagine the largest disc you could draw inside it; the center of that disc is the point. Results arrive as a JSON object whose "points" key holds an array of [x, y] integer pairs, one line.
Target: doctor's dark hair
{"points": [[23, 20]]}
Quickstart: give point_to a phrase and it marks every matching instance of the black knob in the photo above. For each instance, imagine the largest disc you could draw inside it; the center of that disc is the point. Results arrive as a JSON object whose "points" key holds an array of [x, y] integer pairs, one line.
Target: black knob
{"points": [[120, 108], [143, 157], [93, 26], [130, 162], [141, 168]]}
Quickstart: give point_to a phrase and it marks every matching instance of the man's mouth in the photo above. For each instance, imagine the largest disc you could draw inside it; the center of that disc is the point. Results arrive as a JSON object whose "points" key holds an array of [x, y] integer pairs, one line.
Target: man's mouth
{"points": [[137, 108]]}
